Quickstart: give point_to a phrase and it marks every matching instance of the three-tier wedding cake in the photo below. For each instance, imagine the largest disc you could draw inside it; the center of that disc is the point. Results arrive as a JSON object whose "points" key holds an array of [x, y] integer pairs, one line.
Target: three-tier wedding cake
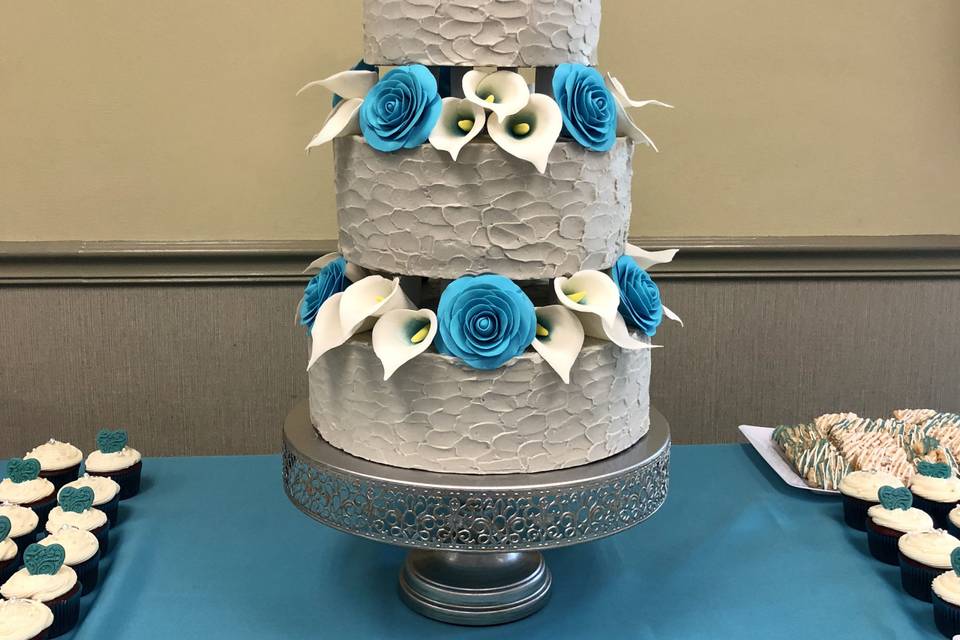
{"points": [[485, 313]]}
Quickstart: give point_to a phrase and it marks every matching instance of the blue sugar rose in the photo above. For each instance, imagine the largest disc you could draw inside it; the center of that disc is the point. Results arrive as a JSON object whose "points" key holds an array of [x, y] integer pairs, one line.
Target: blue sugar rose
{"points": [[484, 320], [331, 279], [587, 106], [640, 303], [401, 109]]}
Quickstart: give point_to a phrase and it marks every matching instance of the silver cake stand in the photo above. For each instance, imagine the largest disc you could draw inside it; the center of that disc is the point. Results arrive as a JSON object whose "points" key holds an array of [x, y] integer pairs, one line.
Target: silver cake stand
{"points": [[475, 539]]}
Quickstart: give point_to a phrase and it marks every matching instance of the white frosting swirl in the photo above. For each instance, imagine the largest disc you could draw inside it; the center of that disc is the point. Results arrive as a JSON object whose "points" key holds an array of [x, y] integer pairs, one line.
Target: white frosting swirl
{"points": [[902, 520], [25, 492], [8, 549], [100, 462], [55, 455], [947, 586], [41, 587], [78, 545], [936, 489], [87, 520], [865, 484], [23, 619], [23, 520], [931, 548], [104, 489]]}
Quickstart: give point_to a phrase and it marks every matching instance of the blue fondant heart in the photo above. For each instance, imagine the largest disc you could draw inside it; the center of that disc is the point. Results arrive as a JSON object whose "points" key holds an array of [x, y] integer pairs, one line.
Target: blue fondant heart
{"points": [[43, 559], [4, 527], [933, 469], [955, 560], [76, 499], [899, 498], [111, 441], [20, 470]]}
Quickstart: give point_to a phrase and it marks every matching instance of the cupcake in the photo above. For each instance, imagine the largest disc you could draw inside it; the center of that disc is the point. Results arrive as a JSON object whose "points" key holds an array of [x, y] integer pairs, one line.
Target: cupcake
{"points": [[935, 490], [953, 522], [23, 619], [115, 460], [8, 550], [923, 556], [82, 554], [859, 492], [106, 494], [946, 598], [24, 487], [76, 510], [24, 525], [46, 579], [892, 518], [59, 461]]}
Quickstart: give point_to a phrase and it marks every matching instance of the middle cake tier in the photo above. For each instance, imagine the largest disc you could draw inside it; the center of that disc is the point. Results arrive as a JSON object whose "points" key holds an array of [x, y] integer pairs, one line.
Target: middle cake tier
{"points": [[418, 212]]}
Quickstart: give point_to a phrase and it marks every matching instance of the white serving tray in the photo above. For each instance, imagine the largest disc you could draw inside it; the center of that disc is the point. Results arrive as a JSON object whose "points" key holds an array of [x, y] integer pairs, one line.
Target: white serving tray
{"points": [[762, 440]]}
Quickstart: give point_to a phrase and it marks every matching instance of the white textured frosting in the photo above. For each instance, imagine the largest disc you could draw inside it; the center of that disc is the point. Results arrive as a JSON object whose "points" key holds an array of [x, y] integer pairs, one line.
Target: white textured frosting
{"points": [[22, 519], [104, 489], [8, 549], [78, 545], [947, 586], [931, 548], [41, 587], [55, 455], [100, 462], [25, 492], [865, 484], [23, 619], [936, 489], [89, 520], [903, 520]]}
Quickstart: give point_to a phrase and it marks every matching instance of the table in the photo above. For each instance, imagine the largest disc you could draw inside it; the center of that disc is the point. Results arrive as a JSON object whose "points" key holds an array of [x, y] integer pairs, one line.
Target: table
{"points": [[212, 549]]}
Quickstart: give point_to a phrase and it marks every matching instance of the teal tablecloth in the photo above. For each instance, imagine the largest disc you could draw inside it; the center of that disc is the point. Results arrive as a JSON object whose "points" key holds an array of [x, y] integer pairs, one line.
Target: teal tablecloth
{"points": [[212, 549]]}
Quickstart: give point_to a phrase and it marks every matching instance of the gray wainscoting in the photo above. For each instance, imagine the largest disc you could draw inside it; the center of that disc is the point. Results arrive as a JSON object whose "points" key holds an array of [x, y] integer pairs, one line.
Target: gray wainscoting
{"points": [[195, 352]]}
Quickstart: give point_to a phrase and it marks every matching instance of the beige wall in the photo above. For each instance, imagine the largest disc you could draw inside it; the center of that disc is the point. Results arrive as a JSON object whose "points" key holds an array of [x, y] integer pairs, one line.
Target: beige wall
{"points": [[138, 119]]}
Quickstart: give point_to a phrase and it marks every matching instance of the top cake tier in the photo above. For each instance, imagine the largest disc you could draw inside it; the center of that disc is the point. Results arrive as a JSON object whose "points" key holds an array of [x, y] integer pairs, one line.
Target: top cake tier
{"points": [[496, 33]]}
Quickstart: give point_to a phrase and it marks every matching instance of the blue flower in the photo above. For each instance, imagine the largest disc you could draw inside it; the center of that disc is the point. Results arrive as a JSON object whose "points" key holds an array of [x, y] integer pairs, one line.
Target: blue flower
{"points": [[588, 108], [331, 279], [401, 110], [484, 320], [640, 303]]}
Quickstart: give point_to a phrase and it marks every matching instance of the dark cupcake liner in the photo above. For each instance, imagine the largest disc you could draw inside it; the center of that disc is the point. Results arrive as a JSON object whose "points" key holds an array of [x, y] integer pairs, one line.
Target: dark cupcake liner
{"points": [[112, 509], [102, 534], [916, 578], [23, 542], [883, 543], [43, 508], [855, 512], [8, 568], [939, 511], [66, 612], [61, 477], [946, 616], [128, 479], [88, 573], [952, 529]]}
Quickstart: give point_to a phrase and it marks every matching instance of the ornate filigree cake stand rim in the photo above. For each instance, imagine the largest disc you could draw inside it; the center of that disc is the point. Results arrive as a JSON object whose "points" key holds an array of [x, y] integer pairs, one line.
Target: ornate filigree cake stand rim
{"points": [[475, 538]]}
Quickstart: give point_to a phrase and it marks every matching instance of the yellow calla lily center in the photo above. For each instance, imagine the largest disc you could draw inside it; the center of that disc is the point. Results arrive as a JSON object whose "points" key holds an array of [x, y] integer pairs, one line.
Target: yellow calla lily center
{"points": [[578, 297], [542, 331], [420, 335], [521, 128], [465, 125], [378, 298], [490, 98]]}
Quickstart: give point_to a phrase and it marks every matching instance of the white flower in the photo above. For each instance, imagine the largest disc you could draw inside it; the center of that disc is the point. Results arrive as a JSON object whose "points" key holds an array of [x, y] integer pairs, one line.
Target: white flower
{"points": [[625, 125], [530, 133], [594, 297], [355, 310], [503, 92], [353, 272], [559, 338], [460, 122], [401, 335], [648, 259], [344, 119]]}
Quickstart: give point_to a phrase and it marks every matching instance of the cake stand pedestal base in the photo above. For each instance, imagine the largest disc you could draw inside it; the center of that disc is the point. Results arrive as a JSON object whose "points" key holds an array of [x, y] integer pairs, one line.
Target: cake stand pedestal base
{"points": [[475, 539]]}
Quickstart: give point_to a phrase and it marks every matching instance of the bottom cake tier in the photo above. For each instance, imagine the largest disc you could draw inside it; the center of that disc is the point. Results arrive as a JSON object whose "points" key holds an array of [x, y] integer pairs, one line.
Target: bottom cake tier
{"points": [[438, 415]]}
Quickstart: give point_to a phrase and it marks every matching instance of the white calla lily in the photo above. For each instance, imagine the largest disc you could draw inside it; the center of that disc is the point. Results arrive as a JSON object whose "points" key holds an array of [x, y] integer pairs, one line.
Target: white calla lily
{"points": [[670, 314], [559, 338], [346, 84], [368, 299], [460, 122], [402, 334], [625, 125], [503, 92], [530, 133], [646, 259], [615, 331], [592, 292], [344, 119], [326, 332]]}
